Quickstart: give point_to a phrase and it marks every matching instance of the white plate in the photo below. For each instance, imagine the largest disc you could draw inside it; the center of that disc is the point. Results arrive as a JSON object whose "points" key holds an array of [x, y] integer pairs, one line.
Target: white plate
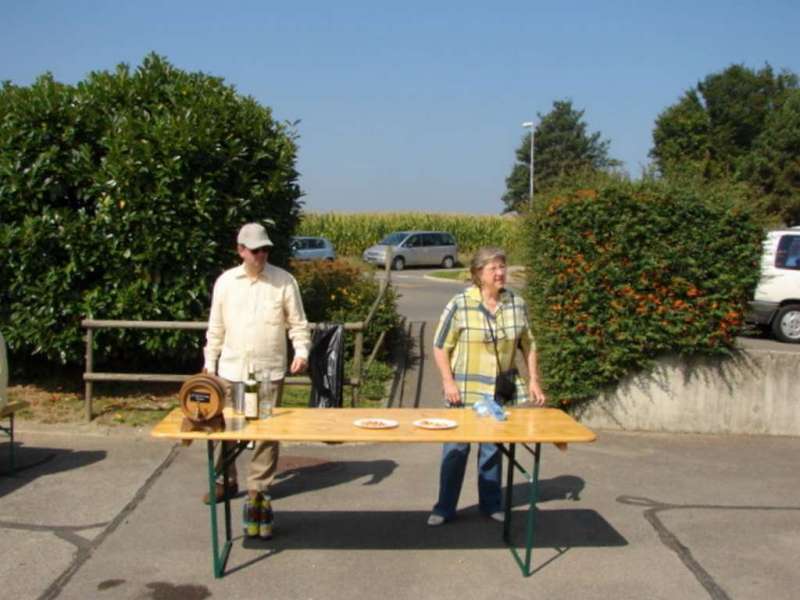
{"points": [[435, 424], [375, 423]]}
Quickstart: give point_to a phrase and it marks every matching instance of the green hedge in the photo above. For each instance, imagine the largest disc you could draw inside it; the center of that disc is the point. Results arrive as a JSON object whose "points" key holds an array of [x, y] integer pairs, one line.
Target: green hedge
{"points": [[339, 292], [623, 272], [120, 198], [351, 234]]}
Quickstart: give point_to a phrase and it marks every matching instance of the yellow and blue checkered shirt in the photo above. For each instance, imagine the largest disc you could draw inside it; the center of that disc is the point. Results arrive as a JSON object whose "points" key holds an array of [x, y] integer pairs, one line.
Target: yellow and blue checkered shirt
{"points": [[465, 331]]}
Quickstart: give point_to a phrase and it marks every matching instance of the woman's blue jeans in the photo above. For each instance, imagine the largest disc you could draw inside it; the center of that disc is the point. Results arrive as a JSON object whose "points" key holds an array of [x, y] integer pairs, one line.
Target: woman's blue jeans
{"points": [[451, 476]]}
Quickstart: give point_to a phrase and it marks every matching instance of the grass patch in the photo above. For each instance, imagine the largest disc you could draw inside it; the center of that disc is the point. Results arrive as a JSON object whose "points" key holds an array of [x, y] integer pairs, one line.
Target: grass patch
{"points": [[53, 400], [452, 274], [112, 407], [296, 396], [516, 276]]}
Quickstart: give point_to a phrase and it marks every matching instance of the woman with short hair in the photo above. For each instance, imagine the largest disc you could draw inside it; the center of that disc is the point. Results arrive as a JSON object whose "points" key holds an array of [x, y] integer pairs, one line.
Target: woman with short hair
{"points": [[476, 339]]}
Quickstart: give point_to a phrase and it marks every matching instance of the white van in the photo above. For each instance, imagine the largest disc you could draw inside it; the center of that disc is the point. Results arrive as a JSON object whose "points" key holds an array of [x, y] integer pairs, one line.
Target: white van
{"points": [[777, 297]]}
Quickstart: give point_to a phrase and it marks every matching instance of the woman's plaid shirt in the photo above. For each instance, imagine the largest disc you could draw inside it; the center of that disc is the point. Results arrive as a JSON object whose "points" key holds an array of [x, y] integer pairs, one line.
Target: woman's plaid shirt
{"points": [[465, 331]]}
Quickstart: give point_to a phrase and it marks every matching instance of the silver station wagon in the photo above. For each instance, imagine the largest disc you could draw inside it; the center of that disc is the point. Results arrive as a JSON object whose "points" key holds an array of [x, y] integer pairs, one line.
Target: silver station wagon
{"points": [[414, 248]]}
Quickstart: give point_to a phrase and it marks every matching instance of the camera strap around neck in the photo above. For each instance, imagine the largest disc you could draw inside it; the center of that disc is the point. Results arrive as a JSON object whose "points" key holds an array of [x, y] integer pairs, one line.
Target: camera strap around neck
{"points": [[494, 337]]}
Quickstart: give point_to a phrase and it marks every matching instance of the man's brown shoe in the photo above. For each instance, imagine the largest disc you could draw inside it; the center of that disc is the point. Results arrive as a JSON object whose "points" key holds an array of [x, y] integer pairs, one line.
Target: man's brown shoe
{"points": [[219, 492]]}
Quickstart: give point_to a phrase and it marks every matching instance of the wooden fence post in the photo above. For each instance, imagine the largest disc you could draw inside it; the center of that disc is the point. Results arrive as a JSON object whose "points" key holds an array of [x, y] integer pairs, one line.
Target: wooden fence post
{"points": [[89, 369], [358, 352]]}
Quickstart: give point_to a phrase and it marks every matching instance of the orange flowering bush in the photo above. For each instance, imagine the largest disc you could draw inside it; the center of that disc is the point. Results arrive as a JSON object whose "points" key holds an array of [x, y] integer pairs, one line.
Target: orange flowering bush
{"points": [[628, 271]]}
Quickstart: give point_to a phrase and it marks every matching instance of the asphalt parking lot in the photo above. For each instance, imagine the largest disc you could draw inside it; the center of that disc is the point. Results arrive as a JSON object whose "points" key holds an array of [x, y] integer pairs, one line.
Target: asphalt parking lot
{"points": [[97, 513]]}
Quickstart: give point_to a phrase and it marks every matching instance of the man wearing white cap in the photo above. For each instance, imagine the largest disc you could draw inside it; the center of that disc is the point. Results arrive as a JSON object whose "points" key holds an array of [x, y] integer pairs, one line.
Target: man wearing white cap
{"points": [[253, 307]]}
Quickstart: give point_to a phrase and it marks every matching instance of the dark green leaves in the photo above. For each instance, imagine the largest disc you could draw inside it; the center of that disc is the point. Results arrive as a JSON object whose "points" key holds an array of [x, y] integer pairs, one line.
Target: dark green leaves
{"points": [[120, 197], [562, 149], [622, 272], [739, 125]]}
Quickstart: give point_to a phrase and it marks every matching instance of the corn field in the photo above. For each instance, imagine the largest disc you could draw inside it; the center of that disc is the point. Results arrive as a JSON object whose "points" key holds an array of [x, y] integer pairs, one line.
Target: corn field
{"points": [[351, 233]]}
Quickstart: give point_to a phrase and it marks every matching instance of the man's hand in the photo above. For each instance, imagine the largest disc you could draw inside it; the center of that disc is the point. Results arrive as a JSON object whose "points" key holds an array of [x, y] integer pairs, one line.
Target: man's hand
{"points": [[298, 365]]}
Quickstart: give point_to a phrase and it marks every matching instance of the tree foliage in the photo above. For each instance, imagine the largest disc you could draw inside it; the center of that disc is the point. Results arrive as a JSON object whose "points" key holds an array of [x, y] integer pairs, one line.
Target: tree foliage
{"points": [[120, 198], [733, 124], [773, 166], [681, 136], [562, 148]]}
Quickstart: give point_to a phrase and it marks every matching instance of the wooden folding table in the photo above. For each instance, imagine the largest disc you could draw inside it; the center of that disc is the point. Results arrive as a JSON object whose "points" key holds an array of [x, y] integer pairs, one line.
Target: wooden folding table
{"points": [[524, 426]]}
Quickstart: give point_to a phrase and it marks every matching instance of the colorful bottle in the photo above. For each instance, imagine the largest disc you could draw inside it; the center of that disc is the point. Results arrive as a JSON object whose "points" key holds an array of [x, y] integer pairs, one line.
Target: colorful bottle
{"points": [[265, 519], [251, 516]]}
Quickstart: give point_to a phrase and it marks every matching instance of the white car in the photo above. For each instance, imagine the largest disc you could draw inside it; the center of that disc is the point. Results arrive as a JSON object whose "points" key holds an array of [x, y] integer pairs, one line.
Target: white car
{"points": [[777, 298], [312, 248]]}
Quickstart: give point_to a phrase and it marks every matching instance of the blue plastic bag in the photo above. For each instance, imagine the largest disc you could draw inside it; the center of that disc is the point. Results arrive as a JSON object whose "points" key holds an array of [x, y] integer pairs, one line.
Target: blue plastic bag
{"points": [[488, 407]]}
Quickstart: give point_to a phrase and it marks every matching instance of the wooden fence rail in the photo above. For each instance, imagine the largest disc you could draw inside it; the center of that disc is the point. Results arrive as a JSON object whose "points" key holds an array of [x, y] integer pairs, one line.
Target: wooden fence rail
{"points": [[90, 376]]}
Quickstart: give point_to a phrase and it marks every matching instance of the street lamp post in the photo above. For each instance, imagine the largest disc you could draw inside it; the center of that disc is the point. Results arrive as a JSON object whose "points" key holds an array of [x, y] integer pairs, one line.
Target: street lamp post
{"points": [[529, 124]]}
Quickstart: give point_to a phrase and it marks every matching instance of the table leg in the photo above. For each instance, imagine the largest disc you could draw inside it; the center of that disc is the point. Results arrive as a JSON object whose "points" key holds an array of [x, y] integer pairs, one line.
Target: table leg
{"points": [[12, 458], [229, 452], [533, 491], [509, 486], [219, 558], [531, 524], [225, 482]]}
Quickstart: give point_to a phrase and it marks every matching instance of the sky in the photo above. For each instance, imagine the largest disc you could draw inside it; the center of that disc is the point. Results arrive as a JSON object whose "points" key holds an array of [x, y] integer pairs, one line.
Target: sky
{"points": [[417, 106]]}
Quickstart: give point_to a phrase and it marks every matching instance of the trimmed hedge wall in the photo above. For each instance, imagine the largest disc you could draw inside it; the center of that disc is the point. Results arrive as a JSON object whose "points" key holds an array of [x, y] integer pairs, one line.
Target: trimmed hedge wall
{"points": [[623, 272], [120, 198]]}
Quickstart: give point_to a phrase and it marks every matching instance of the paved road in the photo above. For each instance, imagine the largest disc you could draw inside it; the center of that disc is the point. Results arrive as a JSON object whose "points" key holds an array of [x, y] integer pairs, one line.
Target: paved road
{"points": [[421, 303], [421, 298], [116, 515]]}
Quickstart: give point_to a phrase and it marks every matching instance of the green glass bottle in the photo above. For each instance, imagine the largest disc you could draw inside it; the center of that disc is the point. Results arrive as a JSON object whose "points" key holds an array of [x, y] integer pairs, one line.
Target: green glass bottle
{"points": [[251, 395]]}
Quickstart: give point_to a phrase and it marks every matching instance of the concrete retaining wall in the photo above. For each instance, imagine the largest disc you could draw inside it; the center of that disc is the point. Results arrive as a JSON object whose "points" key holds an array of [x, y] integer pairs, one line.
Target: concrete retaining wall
{"points": [[757, 392]]}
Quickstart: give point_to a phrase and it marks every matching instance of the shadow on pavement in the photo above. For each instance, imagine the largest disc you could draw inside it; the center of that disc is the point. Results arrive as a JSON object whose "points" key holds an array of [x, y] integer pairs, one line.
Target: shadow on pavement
{"points": [[407, 530], [563, 487], [33, 462], [559, 529], [297, 475]]}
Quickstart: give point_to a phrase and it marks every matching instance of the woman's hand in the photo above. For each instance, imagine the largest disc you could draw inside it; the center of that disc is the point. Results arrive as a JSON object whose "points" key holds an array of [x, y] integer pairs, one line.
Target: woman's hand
{"points": [[534, 389], [451, 394], [537, 395]]}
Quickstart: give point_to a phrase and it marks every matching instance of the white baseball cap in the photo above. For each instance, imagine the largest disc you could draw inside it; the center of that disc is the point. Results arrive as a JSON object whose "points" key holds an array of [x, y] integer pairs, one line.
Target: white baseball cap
{"points": [[253, 235]]}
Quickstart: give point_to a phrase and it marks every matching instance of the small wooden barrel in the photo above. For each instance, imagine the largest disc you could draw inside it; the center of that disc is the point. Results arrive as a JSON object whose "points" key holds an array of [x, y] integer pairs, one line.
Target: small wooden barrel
{"points": [[202, 398]]}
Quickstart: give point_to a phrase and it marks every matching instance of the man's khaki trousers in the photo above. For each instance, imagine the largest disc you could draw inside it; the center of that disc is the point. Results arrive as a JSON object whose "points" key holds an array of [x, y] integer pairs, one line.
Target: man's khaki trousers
{"points": [[264, 460]]}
